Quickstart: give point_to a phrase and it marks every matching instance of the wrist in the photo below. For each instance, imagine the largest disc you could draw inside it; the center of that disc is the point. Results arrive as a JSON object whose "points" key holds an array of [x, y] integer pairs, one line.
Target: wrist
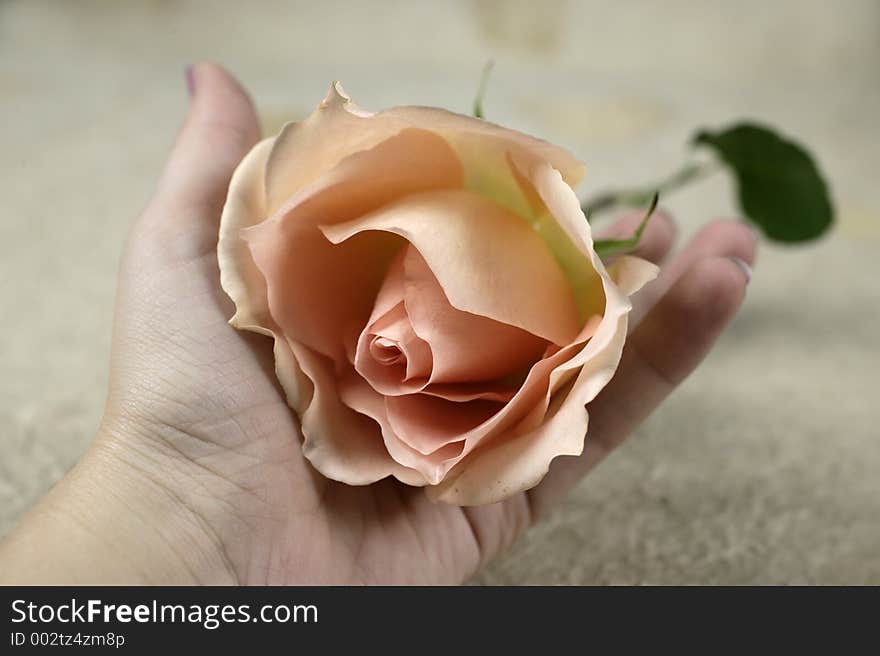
{"points": [[114, 519]]}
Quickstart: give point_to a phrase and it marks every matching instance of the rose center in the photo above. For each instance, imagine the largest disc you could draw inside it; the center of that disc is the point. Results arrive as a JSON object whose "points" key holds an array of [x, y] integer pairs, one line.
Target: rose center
{"points": [[386, 351]]}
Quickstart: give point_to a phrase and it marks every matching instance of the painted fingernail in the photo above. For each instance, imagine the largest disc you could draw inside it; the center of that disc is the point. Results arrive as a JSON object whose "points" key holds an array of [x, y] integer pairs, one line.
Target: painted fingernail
{"points": [[744, 267], [190, 81]]}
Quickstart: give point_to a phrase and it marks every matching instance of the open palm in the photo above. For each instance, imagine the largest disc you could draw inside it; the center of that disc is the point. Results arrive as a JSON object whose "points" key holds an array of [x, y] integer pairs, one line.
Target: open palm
{"points": [[194, 404]]}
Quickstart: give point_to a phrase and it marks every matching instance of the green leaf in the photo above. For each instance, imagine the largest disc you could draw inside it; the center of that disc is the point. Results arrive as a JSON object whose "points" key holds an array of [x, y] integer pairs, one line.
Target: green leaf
{"points": [[607, 247], [481, 90], [780, 187]]}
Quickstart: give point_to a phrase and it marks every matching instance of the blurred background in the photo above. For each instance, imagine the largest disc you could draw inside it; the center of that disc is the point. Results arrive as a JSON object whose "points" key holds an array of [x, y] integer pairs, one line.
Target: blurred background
{"points": [[763, 468]]}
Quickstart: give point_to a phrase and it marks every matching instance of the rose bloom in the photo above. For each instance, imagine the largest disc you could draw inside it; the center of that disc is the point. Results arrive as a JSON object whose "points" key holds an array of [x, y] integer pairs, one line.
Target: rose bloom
{"points": [[429, 279]]}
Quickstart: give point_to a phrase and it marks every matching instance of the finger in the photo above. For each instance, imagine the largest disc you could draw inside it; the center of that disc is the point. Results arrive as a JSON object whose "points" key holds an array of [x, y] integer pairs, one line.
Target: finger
{"points": [[724, 238], [656, 240], [220, 128], [670, 343]]}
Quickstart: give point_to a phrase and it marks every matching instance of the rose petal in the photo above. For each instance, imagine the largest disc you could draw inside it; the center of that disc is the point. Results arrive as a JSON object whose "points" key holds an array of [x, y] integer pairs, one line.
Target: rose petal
{"points": [[317, 290], [493, 391], [553, 426], [565, 207], [389, 321], [358, 395], [305, 151], [476, 140], [585, 280], [405, 375], [342, 444], [427, 423], [466, 347], [245, 206], [239, 276], [543, 416], [631, 273], [395, 341], [439, 418], [499, 469], [514, 465], [487, 261], [393, 289]]}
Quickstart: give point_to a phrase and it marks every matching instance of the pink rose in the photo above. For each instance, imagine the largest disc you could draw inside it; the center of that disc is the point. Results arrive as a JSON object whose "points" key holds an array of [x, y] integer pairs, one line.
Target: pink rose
{"points": [[429, 279]]}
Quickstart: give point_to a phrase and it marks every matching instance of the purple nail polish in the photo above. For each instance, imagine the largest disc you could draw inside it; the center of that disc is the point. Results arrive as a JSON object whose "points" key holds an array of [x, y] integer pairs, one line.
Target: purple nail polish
{"points": [[190, 81], [744, 267]]}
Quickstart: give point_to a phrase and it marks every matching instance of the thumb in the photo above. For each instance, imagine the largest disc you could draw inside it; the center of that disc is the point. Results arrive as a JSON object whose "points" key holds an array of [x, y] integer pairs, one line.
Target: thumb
{"points": [[220, 128]]}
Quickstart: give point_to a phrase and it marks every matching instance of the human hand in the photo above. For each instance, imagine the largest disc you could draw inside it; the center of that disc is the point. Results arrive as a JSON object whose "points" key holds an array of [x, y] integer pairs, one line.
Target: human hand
{"points": [[196, 474]]}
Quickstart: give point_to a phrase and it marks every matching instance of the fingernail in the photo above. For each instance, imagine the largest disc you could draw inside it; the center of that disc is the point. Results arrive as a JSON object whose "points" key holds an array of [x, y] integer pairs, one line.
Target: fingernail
{"points": [[744, 267], [190, 81], [756, 234]]}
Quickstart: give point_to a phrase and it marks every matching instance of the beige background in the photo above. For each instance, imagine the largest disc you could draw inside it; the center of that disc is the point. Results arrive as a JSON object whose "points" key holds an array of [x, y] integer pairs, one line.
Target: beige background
{"points": [[763, 468]]}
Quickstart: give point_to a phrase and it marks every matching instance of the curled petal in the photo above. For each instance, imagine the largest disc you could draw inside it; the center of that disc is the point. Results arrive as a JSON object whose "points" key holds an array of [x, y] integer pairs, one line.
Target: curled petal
{"points": [[391, 357], [521, 462], [358, 395], [569, 241], [465, 346], [556, 423], [245, 206], [631, 273], [487, 262], [428, 423], [389, 332], [477, 140], [318, 290], [342, 444], [306, 150], [492, 330], [241, 279], [494, 391]]}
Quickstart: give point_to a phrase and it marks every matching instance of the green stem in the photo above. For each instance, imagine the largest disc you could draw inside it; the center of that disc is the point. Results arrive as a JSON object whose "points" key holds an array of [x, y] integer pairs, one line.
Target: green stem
{"points": [[637, 197], [481, 89]]}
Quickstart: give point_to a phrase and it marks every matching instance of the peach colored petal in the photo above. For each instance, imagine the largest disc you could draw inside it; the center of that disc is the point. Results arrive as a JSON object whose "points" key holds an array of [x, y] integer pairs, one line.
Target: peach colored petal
{"points": [[415, 371], [393, 289], [466, 347], [529, 403], [298, 388], [342, 444], [600, 342], [317, 290], [525, 407], [418, 413], [428, 423], [451, 434], [318, 307], [565, 207], [491, 391], [521, 462], [346, 187], [478, 138], [357, 394], [631, 273], [245, 206], [573, 258], [388, 353], [391, 357], [239, 276], [305, 151], [565, 211], [395, 341], [488, 262], [491, 157]]}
